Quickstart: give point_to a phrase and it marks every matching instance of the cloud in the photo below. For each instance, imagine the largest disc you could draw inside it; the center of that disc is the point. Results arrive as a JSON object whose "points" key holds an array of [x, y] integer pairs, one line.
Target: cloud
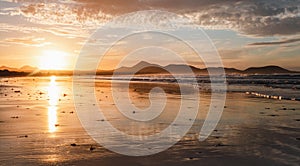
{"points": [[28, 41], [56, 13], [276, 42], [67, 31], [10, 11], [255, 17], [258, 18], [231, 54], [64, 31]]}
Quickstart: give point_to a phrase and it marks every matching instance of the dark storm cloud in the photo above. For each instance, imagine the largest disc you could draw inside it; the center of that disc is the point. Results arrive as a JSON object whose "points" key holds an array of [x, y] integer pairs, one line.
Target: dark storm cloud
{"points": [[252, 17], [275, 43]]}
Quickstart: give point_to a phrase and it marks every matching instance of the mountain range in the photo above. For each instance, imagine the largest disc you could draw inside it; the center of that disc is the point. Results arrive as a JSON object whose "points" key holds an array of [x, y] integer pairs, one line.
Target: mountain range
{"points": [[25, 68], [147, 68]]}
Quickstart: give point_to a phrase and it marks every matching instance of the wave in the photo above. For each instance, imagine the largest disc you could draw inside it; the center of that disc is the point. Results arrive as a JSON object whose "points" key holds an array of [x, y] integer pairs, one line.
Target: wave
{"points": [[280, 87]]}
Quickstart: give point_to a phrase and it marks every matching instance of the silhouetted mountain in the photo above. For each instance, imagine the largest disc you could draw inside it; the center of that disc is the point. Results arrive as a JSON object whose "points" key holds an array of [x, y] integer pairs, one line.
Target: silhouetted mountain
{"points": [[148, 68], [25, 68], [179, 68], [28, 68], [232, 70], [8, 68], [143, 68], [267, 70], [31, 71], [7, 73]]}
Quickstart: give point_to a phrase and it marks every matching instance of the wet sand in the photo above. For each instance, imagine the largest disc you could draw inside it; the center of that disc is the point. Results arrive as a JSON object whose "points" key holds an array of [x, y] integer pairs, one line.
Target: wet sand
{"points": [[39, 126]]}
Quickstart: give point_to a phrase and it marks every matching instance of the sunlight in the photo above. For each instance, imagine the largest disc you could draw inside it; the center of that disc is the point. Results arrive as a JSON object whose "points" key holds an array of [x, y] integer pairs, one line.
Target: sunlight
{"points": [[52, 118], [53, 93], [53, 60]]}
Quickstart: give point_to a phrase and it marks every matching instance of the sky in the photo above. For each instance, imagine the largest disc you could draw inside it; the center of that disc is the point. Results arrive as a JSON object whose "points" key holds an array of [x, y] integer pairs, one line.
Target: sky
{"points": [[52, 34]]}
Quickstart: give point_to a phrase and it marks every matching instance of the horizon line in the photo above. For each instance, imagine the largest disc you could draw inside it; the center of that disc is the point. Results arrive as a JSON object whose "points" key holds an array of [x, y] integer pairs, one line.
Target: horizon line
{"points": [[34, 68]]}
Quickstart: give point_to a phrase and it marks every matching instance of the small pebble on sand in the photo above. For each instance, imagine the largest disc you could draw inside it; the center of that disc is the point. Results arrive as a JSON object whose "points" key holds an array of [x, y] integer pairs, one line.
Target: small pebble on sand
{"points": [[23, 136], [219, 144], [273, 115], [73, 144], [92, 148]]}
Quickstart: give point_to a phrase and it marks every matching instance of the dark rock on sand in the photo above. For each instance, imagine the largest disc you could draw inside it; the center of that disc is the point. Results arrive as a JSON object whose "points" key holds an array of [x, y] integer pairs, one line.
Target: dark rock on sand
{"points": [[219, 144], [92, 148], [273, 115]]}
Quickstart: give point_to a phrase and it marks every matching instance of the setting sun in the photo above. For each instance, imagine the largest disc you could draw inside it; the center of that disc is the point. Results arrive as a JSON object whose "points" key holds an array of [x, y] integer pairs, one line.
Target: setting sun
{"points": [[53, 60]]}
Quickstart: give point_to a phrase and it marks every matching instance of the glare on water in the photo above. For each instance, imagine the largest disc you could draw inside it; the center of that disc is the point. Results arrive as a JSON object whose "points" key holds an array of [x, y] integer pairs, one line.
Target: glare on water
{"points": [[53, 93]]}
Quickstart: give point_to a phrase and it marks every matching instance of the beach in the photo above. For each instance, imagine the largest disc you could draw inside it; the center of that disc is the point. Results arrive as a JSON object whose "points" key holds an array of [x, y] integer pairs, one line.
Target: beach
{"points": [[39, 126]]}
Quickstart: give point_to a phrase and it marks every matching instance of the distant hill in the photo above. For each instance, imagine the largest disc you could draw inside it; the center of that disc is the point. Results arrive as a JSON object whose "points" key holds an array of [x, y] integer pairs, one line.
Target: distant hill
{"points": [[148, 68], [143, 68], [182, 68], [7, 73], [25, 68], [8, 68], [266, 70], [14, 72], [28, 69]]}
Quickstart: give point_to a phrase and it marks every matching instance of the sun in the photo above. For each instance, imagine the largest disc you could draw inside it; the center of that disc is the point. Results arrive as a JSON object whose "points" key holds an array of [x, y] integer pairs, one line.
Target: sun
{"points": [[53, 60]]}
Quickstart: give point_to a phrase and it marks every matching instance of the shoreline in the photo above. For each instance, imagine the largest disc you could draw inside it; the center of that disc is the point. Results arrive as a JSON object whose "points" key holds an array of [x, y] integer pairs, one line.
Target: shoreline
{"points": [[251, 131]]}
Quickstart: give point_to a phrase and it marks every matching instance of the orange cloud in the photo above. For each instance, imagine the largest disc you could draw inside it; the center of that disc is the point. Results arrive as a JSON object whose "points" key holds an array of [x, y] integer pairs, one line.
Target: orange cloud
{"points": [[259, 18], [28, 41]]}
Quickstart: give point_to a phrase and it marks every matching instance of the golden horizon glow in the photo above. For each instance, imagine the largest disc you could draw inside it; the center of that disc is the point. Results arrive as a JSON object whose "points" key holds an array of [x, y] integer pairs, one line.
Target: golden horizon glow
{"points": [[53, 60], [53, 93]]}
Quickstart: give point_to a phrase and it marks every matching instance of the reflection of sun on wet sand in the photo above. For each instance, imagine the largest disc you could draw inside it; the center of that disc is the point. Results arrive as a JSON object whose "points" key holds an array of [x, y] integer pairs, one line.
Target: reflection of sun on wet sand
{"points": [[39, 126], [53, 93]]}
